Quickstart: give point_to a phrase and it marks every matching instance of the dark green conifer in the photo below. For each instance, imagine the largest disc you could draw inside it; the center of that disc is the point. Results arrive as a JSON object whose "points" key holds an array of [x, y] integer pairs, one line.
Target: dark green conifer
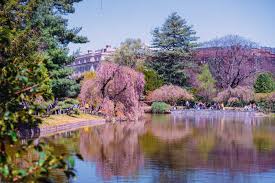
{"points": [[173, 44]]}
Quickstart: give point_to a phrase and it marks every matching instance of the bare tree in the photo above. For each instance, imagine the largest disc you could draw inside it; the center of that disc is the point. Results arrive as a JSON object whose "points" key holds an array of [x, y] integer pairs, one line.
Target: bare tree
{"points": [[233, 64]]}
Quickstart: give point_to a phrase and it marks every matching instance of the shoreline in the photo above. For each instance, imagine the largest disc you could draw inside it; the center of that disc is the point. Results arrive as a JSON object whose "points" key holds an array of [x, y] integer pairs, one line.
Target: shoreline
{"points": [[81, 122], [228, 110], [63, 123], [56, 129]]}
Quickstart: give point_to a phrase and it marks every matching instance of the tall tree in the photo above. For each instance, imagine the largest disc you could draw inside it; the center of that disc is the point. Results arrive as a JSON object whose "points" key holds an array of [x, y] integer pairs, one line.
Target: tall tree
{"points": [[173, 44], [23, 78], [114, 92], [131, 53], [233, 64], [55, 37]]}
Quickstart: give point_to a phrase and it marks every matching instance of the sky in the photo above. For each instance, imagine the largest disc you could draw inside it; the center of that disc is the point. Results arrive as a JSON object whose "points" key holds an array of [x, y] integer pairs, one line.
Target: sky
{"points": [[112, 21]]}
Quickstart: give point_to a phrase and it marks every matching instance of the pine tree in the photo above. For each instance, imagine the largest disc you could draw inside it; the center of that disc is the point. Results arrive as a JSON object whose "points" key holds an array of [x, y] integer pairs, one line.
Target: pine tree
{"points": [[23, 76], [24, 59], [173, 44], [55, 37]]}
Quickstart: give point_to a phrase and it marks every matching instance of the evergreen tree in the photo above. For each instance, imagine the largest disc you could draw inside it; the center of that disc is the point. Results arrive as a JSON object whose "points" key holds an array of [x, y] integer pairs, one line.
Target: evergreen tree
{"points": [[55, 37], [173, 44], [23, 78], [264, 83]]}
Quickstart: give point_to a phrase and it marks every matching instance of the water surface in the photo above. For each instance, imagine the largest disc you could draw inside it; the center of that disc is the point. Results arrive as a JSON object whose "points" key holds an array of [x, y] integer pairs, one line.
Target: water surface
{"points": [[187, 146]]}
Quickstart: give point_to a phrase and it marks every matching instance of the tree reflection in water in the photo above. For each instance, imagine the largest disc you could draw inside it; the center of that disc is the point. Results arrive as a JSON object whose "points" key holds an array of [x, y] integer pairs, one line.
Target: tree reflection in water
{"points": [[174, 148], [114, 148]]}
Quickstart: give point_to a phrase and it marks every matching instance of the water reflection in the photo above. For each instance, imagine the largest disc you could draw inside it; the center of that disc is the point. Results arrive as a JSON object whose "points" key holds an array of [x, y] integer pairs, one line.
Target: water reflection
{"points": [[181, 147], [114, 148]]}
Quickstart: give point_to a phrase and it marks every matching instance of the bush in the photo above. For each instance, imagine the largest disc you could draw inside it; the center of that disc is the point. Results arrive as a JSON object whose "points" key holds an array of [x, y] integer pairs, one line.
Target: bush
{"points": [[264, 83], [234, 102], [170, 94], [152, 79], [240, 93], [206, 89], [266, 101], [68, 103], [160, 107]]}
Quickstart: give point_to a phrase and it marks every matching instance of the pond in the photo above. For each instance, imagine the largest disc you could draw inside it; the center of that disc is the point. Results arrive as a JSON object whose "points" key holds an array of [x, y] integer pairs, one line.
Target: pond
{"points": [[185, 146]]}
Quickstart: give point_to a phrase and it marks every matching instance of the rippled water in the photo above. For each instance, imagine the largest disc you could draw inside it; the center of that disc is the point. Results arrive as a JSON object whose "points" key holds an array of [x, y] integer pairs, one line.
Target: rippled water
{"points": [[187, 146]]}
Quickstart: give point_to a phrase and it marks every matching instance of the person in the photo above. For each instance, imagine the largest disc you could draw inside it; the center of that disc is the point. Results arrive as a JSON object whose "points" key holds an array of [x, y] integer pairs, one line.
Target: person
{"points": [[254, 106], [187, 104], [222, 106], [86, 107]]}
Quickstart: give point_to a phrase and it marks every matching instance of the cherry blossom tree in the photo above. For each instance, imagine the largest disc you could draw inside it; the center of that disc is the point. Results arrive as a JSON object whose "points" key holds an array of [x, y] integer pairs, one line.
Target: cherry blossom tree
{"points": [[114, 92], [240, 93], [170, 94]]}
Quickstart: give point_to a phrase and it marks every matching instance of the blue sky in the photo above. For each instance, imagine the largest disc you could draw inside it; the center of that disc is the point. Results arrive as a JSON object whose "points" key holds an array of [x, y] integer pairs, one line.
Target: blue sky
{"points": [[117, 20]]}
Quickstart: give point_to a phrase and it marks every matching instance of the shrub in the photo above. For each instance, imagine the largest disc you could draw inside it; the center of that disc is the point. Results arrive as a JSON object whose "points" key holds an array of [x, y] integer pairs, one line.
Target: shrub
{"points": [[233, 101], [266, 101], [206, 89], [160, 107], [170, 94], [264, 83], [152, 79], [68, 103], [242, 93]]}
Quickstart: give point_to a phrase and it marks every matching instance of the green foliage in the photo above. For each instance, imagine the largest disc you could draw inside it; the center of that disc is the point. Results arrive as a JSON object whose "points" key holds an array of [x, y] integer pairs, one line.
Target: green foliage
{"points": [[160, 107], [67, 103], [206, 78], [206, 83], [65, 87], [264, 83], [25, 59], [55, 37], [131, 53], [266, 106], [22, 72], [152, 79], [173, 43]]}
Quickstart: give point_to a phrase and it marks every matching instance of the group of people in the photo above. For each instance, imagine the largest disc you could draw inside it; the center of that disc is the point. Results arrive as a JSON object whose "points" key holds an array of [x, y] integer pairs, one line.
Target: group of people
{"points": [[217, 106], [201, 105], [251, 107]]}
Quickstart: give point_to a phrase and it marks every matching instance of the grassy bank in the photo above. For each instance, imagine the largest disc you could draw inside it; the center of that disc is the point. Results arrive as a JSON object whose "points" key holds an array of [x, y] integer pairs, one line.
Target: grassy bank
{"points": [[56, 120]]}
